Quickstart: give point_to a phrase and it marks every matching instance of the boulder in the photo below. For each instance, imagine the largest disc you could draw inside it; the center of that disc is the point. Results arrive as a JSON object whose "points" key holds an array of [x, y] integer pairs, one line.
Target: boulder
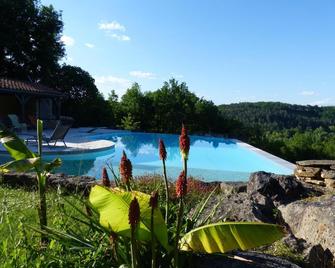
{"points": [[237, 207], [313, 220], [248, 259], [233, 187], [280, 189]]}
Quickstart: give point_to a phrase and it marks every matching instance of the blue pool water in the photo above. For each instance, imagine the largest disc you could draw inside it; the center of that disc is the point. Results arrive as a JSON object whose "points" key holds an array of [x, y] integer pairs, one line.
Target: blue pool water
{"points": [[210, 158]]}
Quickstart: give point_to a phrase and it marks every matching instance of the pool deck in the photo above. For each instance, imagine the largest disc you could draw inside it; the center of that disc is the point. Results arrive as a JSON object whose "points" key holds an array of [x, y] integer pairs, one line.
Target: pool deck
{"points": [[77, 141], [272, 157]]}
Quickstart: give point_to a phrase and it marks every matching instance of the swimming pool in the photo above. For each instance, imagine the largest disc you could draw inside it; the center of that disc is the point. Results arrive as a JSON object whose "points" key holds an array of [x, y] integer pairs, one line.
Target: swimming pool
{"points": [[211, 158]]}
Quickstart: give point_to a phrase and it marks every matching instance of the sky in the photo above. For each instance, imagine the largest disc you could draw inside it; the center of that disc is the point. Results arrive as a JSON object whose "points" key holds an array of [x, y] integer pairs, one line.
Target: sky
{"points": [[226, 51]]}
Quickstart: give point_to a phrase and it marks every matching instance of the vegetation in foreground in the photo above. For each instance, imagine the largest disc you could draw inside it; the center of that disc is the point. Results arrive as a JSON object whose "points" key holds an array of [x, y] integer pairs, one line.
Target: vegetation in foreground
{"points": [[142, 239]]}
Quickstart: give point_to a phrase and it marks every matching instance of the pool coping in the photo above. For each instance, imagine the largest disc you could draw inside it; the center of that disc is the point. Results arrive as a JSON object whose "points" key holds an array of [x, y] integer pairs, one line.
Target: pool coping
{"points": [[276, 159]]}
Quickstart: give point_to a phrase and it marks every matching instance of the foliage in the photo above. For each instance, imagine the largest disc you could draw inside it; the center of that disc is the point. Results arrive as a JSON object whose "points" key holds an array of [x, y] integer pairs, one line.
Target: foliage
{"points": [[84, 102], [30, 45], [25, 160]]}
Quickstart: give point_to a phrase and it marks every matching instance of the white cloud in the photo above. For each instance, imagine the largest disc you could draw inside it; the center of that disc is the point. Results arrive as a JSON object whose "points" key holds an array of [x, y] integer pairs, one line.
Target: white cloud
{"points": [[114, 25], [67, 40], [321, 102], [89, 45], [106, 83], [141, 74], [120, 37], [307, 93]]}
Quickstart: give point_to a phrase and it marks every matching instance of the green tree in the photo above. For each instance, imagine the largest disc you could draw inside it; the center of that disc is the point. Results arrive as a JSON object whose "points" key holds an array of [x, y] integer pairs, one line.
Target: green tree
{"points": [[30, 45], [84, 101]]}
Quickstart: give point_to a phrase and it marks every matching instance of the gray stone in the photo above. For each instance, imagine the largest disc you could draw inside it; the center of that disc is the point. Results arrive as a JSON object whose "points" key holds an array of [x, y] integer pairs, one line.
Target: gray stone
{"points": [[301, 171], [316, 256], [68, 183], [316, 163], [312, 220], [248, 259], [328, 174], [280, 189], [233, 187]]}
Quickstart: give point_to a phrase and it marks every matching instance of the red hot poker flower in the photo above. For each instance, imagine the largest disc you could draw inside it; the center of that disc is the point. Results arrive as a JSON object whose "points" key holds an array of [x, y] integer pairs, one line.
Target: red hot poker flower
{"points": [[105, 180], [125, 168], [153, 199], [181, 185], [184, 143], [162, 150], [134, 213]]}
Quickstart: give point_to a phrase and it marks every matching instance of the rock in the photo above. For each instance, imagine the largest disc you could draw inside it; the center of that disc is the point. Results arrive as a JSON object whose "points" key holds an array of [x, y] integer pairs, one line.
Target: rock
{"points": [[248, 259], [280, 189], [328, 174], [330, 183], [301, 171], [68, 183], [312, 220], [316, 182], [332, 167], [316, 256], [237, 207], [316, 163], [233, 187]]}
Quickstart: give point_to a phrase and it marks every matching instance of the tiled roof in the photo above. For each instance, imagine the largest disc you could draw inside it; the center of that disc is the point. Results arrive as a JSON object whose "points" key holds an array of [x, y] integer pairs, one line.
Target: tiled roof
{"points": [[10, 85]]}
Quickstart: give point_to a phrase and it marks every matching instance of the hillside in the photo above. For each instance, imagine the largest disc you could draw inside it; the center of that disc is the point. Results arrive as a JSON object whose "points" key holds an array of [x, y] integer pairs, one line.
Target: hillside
{"points": [[278, 116]]}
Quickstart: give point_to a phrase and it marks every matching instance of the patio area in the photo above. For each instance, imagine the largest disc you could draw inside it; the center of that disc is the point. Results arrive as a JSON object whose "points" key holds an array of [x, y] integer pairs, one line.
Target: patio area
{"points": [[78, 140]]}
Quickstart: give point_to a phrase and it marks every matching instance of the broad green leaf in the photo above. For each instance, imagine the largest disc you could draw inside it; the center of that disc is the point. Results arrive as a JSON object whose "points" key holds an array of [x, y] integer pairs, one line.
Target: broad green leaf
{"points": [[227, 236], [113, 207], [57, 162], [15, 146], [21, 165]]}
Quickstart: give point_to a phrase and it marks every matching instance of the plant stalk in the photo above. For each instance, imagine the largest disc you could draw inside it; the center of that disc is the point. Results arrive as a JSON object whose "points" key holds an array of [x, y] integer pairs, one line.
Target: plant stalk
{"points": [[133, 249], [179, 220], [167, 197], [153, 241]]}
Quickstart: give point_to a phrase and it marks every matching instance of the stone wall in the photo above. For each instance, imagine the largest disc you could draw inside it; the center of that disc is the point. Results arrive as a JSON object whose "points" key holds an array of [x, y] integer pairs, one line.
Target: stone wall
{"points": [[319, 172]]}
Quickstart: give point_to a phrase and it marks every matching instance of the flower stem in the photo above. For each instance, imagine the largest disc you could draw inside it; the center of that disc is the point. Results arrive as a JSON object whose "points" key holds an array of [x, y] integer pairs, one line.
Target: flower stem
{"points": [[167, 197], [133, 249], [153, 242]]}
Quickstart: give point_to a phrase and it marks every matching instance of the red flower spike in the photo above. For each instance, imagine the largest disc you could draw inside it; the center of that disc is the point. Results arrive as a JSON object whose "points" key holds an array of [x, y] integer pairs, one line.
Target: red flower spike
{"points": [[105, 180], [153, 199], [184, 142], [162, 150], [126, 168], [134, 213], [181, 185]]}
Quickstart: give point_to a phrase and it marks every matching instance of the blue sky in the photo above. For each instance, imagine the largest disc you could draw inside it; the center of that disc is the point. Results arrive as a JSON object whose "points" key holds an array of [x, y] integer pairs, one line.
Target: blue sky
{"points": [[226, 51]]}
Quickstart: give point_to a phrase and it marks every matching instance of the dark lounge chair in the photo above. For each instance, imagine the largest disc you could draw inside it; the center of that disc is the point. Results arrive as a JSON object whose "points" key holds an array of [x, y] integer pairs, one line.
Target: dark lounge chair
{"points": [[58, 134]]}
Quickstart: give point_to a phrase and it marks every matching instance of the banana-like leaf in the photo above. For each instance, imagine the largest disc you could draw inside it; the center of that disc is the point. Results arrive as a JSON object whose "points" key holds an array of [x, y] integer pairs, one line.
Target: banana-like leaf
{"points": [[14, 145], [21, 165], [113, 207], [57, 162], [227, 236]]}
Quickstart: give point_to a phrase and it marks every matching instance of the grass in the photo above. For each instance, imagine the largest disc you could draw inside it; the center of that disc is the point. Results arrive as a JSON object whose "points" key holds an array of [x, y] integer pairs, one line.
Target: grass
{"points": [[19, 244]]}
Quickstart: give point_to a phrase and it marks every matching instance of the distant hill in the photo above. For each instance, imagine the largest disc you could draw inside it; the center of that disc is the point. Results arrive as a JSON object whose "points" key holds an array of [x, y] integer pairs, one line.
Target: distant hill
{"points": [[278, 116]]}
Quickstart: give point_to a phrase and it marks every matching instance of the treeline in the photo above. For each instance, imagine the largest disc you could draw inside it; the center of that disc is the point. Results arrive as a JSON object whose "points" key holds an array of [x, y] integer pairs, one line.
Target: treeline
{"points": [[278, 116]]}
